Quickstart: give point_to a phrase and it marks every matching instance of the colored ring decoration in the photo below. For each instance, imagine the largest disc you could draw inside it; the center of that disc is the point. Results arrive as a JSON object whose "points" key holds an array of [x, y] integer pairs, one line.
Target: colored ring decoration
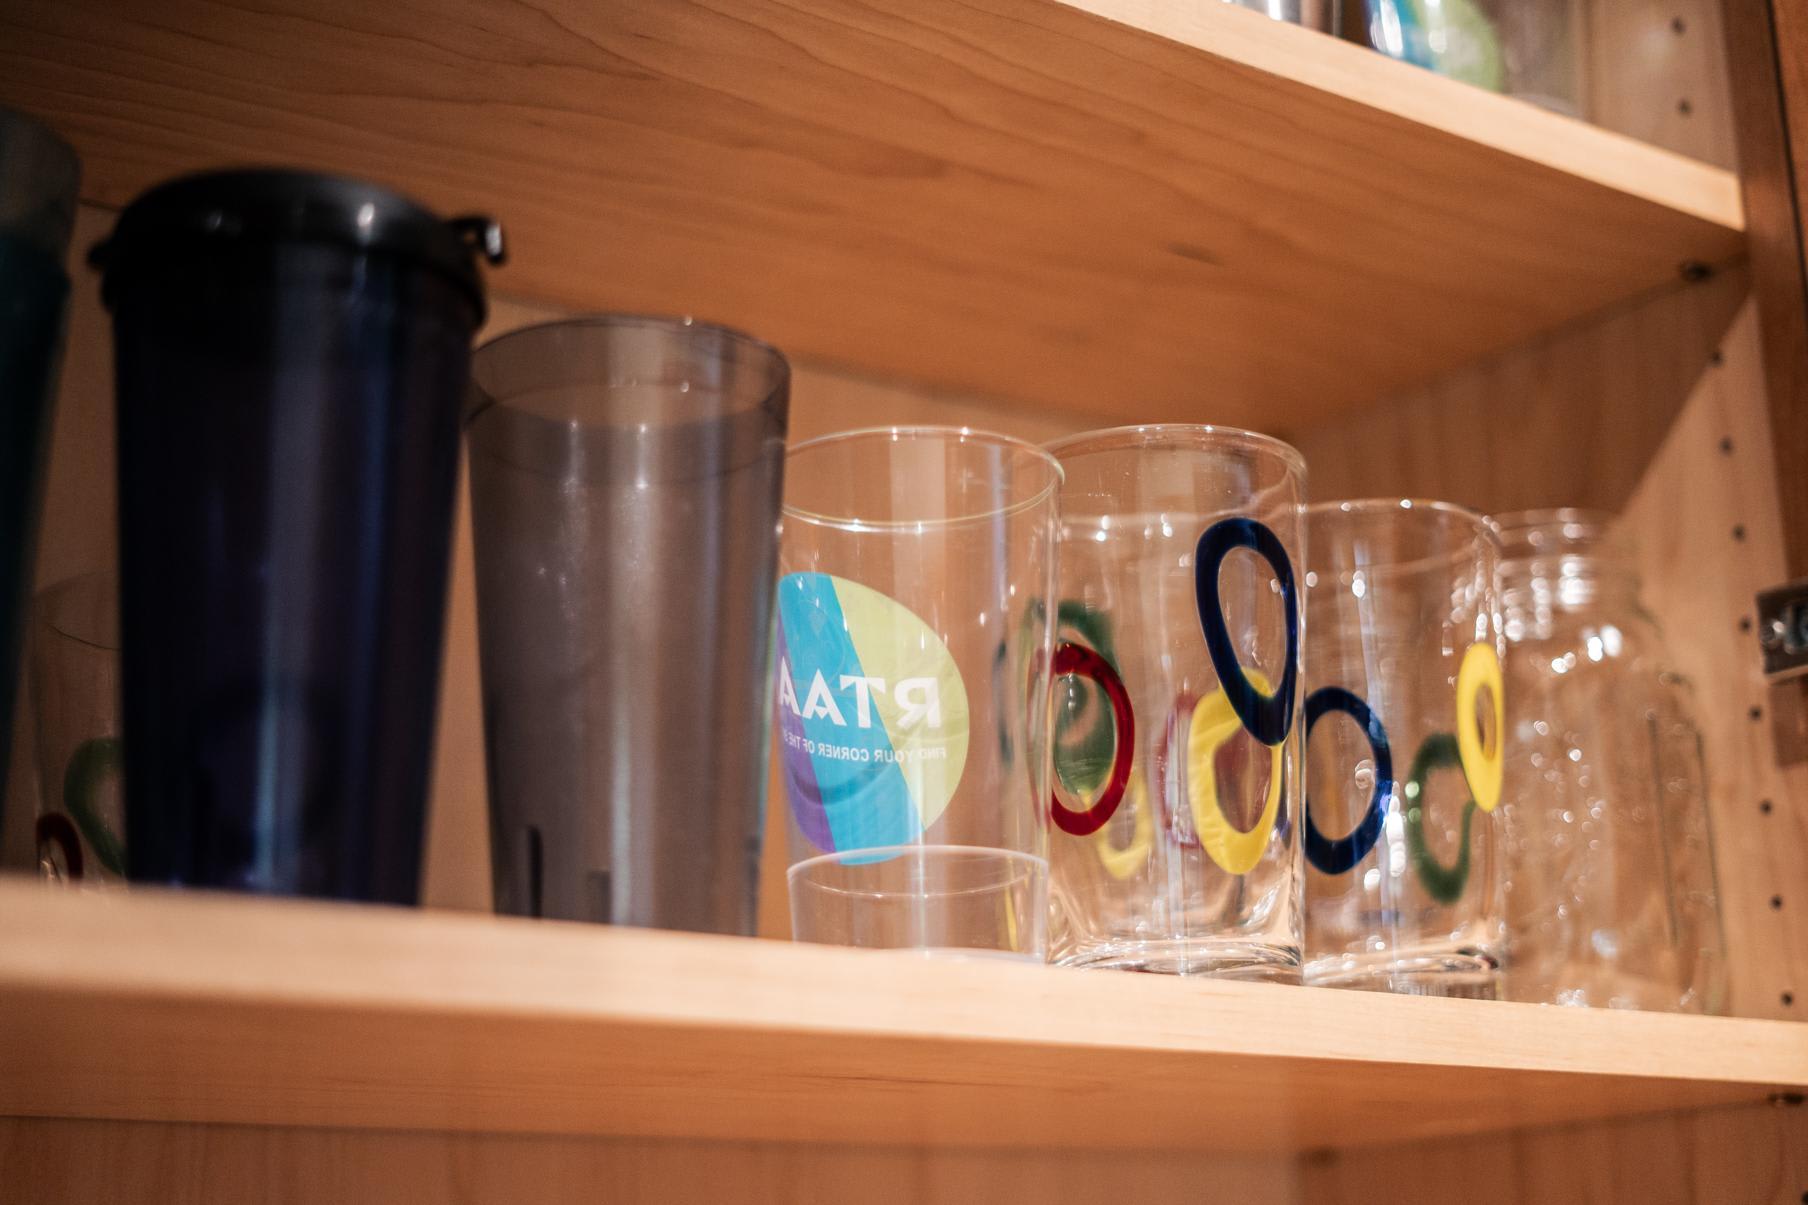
{"points": [[1084, 737], [1483, 767], [1033, 615], [1334, 856], [90, 765], [1121, 863], [1269, 717], [1215, 720], [1077, 659], [1442, 883]]}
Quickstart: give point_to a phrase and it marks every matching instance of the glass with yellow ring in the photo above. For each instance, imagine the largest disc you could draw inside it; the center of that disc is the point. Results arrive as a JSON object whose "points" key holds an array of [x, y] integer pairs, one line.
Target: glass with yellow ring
{"points": [[1173, 729], [1404, 717]]}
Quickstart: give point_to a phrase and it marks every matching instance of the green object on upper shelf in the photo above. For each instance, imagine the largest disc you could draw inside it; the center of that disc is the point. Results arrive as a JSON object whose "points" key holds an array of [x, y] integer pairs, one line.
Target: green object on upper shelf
{"points": [[1454, 38]]}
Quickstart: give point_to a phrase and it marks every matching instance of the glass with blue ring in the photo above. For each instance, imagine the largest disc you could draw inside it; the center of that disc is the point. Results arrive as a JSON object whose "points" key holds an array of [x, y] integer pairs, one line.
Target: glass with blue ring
{"points": [[1175, 718], [1403, 729]]}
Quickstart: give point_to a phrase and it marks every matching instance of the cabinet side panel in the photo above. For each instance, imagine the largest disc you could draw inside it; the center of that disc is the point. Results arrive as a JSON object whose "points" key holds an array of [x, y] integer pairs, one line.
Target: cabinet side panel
{"points": [[1710, 536], [1572, 419]]}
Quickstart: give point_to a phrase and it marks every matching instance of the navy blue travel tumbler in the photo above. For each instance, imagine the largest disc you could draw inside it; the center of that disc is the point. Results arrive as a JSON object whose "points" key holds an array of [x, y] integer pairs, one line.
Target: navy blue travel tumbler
{"points": [[292, 352], [38, 174]]}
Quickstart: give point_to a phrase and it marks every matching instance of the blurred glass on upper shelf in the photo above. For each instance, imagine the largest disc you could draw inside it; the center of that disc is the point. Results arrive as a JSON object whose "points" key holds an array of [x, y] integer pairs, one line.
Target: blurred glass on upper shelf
{"points": [[1323, 15], [1531, 49]]}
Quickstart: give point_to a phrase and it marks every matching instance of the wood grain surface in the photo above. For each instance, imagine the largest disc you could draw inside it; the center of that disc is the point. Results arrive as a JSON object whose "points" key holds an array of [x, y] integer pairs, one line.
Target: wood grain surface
{"points": [[1137, 208], [64, 1162], [1710, 536], [1749, 1156], [186, 1007]]}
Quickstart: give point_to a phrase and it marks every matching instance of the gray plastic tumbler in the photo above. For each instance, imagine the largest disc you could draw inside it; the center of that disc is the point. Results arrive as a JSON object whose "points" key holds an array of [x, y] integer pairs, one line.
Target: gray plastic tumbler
{"points": [[625, 483]]}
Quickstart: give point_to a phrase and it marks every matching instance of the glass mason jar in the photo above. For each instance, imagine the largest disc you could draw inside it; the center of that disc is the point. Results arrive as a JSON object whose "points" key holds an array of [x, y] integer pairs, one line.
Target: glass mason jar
{"points": [[1611, 893]]}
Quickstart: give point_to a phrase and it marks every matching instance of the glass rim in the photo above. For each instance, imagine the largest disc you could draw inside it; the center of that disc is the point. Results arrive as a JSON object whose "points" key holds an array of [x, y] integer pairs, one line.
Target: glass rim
{"points": [[781, 376], [1131, 435], [1602, 538], [1388, 505], [1549, 516], [609, 318], [1478, 524], [928, 431]]}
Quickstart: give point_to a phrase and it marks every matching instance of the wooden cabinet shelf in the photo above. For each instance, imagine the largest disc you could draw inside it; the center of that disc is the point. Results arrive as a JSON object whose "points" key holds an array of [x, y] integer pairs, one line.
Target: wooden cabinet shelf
{"points": [[1143, 209], [163, 1007]]}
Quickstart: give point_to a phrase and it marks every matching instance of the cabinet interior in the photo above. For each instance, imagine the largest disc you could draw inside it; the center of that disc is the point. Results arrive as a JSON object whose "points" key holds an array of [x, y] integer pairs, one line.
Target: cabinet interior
{"points": [[1655, 408]]}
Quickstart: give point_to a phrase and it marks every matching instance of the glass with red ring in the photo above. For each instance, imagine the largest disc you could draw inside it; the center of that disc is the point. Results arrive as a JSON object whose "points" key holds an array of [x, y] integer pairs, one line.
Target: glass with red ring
{"points": [[916, 566], [1175, 738], [1403, 726]]}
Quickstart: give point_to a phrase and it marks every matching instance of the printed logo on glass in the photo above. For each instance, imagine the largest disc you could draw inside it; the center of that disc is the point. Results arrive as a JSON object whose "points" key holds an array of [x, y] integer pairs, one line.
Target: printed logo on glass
{"points": [[872, 714]]}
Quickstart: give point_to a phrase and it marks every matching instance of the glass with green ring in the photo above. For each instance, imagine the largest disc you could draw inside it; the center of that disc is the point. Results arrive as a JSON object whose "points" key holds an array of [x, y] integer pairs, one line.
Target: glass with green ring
{"points": [[1403, 720], [1175, 726]]}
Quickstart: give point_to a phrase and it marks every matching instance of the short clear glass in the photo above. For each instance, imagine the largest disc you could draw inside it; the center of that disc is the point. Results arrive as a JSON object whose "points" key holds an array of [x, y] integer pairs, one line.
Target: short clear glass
{"points": [[1176, 755], [75, 700], [914, 632], [1403, 724], [1612, 897]]}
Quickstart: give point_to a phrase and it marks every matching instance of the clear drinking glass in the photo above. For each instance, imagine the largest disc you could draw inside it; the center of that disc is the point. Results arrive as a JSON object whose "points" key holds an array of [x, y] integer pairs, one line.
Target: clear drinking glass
{"points": [[1176, 756], [625, 481], [914, 628], [1611, 889], [1403, 726], [76, 702]]}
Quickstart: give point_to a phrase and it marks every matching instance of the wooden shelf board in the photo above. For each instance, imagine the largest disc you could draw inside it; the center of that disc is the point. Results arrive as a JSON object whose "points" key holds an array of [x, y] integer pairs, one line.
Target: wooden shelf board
{"points": [[1142, 209], [171, 1007]]}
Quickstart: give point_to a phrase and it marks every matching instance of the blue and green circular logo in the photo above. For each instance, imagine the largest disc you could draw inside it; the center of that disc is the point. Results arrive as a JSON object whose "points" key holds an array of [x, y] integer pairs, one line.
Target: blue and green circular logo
{"points": [[872, 715]]}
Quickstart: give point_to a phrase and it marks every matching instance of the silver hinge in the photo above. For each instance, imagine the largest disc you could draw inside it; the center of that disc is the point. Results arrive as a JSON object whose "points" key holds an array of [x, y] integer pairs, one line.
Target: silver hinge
{"points": [[1783, 630]]}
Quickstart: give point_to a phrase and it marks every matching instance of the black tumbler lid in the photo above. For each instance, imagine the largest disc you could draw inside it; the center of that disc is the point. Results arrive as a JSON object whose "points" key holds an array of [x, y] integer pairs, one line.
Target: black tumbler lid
{"points": [[285, 206]]}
